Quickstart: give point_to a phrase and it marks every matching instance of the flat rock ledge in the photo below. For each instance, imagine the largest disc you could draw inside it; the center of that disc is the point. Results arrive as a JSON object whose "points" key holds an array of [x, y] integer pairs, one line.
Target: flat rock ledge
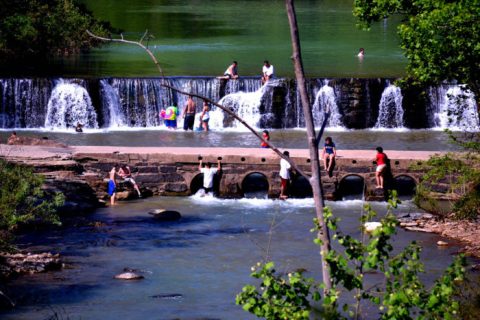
{"points": [[22, 263], [467, 232]]}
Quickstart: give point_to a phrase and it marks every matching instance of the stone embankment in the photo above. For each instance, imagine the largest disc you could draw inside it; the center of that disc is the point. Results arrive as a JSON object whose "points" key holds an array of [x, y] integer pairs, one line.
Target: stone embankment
{"points": [[80, 172]]}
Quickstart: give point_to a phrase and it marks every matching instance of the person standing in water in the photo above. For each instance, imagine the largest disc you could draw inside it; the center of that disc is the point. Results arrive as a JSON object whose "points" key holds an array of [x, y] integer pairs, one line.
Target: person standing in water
{"points": [[381, 160], [231, 72], [205, 116], [170, 116], [209, 174], [284, 176], [266, 136], [329, 153], [267, 71], [112, 186], [189, 114]]}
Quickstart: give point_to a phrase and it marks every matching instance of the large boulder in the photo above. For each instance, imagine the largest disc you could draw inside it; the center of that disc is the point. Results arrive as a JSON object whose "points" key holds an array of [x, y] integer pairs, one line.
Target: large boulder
{"points": [[165, 215]]}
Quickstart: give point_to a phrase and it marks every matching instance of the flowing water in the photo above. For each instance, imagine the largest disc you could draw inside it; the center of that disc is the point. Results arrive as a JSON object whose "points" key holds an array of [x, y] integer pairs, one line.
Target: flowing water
{"points": [[390, 113], [193, 268]]}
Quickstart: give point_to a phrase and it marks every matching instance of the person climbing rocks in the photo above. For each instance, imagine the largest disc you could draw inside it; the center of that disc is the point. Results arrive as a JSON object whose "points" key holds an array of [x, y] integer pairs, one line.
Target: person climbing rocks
{"points": [[209, 174], [126, 174]]}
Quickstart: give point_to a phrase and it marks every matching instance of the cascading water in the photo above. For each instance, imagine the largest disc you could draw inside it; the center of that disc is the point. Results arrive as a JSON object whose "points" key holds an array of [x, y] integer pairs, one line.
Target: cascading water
{"points": [[113, 115], [456, 108], [245, 104], [70, 104], [390, 113], [23, 102], [325, 101]]}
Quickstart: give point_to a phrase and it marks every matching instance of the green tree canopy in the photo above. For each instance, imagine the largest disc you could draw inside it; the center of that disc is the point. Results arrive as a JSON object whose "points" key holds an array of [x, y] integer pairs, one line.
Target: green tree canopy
{"points": [[41, 28], [441, 38]]}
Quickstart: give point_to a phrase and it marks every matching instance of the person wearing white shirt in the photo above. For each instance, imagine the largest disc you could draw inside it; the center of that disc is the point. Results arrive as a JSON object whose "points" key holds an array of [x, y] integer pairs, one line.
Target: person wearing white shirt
{"points": [[284, 176], [267, 71], [208, 174]]}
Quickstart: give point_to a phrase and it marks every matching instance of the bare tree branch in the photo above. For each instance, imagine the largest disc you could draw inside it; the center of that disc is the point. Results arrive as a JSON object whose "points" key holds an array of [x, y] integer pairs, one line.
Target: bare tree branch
{"points": [[164, 84], [315, 180]]}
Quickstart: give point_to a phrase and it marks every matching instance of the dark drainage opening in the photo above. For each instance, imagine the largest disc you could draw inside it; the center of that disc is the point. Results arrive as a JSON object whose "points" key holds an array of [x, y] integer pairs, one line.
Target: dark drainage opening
{"points": [[351, 188], [255, 185], [197, 183], [405, 187], [300, 188]]}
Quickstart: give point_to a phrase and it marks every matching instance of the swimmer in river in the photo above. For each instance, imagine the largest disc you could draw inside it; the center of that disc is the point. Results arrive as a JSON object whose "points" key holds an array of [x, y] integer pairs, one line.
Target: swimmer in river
{"points": [[205, 116], [79, 127]]}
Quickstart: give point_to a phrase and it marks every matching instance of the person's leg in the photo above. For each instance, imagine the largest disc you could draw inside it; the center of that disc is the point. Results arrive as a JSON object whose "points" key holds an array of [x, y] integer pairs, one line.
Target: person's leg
{"points": [[185, 123], [112, 199], [135, 186], [377, 178], [330, 164], [325, 157], [380, 178]]}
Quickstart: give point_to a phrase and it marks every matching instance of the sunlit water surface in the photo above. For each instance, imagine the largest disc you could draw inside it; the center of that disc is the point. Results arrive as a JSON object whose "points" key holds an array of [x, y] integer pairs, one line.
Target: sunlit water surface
{"points": [[204, 259]]}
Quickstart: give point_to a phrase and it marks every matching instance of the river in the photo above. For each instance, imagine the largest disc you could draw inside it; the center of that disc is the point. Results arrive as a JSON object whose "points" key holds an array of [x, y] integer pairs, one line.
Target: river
{"points": [[204, 259]]}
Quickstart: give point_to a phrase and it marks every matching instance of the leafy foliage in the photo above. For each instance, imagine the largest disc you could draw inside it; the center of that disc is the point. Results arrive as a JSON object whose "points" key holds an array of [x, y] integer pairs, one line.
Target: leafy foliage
{"points": [[40, 28], [440, 38], [459, 171], [22, 199], [400, 295]]}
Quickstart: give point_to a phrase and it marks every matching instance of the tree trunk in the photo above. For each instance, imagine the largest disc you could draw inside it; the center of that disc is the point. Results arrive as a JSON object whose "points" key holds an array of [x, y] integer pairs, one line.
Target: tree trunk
{"points": [[315, 179]]}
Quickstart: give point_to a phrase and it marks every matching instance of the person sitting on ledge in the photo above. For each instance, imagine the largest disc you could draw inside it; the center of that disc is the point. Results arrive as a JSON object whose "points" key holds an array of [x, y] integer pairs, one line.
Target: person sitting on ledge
{"points": [[329, 153], [231, 72], [126, 174], [267, 71]]}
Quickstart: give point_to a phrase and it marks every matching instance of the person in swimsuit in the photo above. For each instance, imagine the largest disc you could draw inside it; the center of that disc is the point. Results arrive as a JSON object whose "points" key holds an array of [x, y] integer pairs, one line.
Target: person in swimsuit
{"points": [[381, 160], [266, 136], [126, 174], [112, 186], [231, 72], [205, 116], [329, 154], [189, 114], [170, 117]]}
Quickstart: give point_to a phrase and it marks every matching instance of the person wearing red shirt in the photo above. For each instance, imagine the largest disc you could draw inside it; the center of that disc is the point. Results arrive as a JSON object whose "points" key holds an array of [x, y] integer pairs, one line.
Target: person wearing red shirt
{"points": [[266, 136], [381, 159]]}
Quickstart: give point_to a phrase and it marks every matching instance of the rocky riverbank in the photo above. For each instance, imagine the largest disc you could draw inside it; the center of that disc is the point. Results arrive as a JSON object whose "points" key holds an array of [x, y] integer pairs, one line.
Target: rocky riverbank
{"points": [[464, 231], [12, 264]]}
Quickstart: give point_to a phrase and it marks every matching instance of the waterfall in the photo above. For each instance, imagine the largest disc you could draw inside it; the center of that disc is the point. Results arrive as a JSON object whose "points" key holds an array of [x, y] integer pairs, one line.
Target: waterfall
{"points": [[111, 106], [70, 104], [456, 108], [325, 100], [245, 104], [23, 102], [390, 113]]}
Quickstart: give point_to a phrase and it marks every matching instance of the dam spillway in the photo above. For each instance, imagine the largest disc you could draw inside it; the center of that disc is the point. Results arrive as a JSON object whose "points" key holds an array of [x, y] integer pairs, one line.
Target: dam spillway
{"points": [[125, 103]]}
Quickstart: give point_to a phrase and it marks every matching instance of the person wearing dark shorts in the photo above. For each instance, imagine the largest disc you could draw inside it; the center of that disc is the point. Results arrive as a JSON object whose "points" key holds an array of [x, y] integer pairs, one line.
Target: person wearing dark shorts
{"points": [[189, 114]]}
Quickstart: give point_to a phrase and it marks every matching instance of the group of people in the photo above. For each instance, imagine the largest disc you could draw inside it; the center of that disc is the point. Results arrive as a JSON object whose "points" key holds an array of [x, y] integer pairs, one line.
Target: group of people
{"points": [[171, 114], [232, 72]]}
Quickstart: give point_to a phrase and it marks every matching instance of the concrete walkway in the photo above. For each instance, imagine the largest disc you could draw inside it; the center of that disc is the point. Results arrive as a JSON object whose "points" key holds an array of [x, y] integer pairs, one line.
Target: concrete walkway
{"points": [[44, 152]]}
